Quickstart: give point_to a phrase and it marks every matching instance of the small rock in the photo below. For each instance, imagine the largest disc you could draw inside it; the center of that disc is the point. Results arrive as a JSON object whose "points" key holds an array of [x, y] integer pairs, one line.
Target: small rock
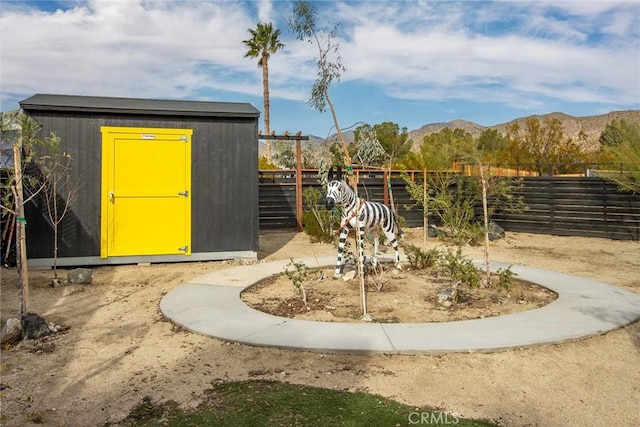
{"points": [[349, 276], [447, 296], [80, 276], [11, 331], [495, 232], [34, 326]]}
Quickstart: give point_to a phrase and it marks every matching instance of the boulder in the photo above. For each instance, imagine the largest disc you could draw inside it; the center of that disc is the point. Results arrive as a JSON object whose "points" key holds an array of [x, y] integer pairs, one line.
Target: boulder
{"points": [[34, 326], [79, 276], [495, 232], [11, 332], [447, 297]]}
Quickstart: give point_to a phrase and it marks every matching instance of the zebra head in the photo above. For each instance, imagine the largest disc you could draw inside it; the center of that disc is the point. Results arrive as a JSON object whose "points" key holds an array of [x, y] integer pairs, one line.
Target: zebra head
{"points": [[334, 194], [335, 190]]}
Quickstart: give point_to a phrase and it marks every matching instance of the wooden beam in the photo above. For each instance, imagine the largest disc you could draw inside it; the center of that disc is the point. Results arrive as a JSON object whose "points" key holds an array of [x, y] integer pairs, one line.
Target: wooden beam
{"points": [[284, 137]]}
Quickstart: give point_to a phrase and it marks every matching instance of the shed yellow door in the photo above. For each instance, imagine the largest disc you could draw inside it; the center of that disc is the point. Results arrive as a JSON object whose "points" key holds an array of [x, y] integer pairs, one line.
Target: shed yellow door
{"points": [[146, 192]]}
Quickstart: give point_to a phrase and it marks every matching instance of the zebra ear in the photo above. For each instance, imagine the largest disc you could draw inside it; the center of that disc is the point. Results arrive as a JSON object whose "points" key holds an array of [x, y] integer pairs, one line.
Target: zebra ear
{"points": [[339, 173], [330, 175]]}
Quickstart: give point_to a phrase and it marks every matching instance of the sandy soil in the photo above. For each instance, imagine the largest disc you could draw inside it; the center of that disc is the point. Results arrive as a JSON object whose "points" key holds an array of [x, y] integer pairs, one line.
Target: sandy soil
{"points": [[119, 349], [393, 296]]}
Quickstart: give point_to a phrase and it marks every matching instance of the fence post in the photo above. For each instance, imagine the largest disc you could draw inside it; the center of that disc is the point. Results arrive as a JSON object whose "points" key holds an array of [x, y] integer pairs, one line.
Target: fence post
{"points": [[385, 188], [299, 184]]}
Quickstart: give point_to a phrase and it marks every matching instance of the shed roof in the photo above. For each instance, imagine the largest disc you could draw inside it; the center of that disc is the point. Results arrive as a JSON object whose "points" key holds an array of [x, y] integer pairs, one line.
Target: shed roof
{"points": [[97, 104]]}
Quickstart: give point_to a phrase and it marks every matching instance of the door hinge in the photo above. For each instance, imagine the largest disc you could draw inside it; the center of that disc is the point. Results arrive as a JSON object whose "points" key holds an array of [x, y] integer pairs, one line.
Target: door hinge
{"points": [[184, 193], [183, 248]]}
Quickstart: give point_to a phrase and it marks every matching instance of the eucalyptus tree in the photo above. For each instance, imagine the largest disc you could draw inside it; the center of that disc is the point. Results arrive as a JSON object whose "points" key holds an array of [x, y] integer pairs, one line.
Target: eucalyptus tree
{"points": [[303, 24], [263, 43]]}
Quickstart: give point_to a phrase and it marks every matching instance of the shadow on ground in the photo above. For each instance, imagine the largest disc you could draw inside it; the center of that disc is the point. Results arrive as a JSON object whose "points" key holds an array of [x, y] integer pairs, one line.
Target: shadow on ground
{"points": [[271, 241]]}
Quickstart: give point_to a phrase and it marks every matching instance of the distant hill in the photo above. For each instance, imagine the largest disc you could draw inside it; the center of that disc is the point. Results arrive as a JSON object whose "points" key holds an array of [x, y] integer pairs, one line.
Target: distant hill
{"points": [[473, 128], [592, 126]]}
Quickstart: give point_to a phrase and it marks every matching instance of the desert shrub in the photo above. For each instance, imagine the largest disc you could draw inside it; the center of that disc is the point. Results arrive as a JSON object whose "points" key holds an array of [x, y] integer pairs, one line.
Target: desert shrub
{"points": [[318, 223], [313, 228], [420, 259], [505, 278], [297, 272], [460, 268]]}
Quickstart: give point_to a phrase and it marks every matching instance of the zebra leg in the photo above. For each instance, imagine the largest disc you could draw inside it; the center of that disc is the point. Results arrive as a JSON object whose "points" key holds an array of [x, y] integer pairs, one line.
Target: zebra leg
{"points": [[393, 241], [343, 239], [374, 258]]}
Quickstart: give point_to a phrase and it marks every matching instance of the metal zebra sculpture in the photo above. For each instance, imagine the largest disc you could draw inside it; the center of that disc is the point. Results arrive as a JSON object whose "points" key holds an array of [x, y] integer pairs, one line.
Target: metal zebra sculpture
{"points": [[363, 214]]}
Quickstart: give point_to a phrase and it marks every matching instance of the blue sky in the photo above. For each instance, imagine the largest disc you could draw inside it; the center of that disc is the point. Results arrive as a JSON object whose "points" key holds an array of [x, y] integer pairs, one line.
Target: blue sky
{"points": [[409, 62]]}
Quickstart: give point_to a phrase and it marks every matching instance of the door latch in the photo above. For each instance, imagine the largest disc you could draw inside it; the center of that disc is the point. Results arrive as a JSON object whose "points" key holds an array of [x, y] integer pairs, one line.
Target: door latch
{"points": [[111, 196], [184, 193], [183, 248]]}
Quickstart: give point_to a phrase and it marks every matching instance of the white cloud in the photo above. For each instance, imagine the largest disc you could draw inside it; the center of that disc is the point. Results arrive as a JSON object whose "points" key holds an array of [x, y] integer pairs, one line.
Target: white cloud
{"points": [[265, 11], [117, 47], [511, 52], [545, 58]]}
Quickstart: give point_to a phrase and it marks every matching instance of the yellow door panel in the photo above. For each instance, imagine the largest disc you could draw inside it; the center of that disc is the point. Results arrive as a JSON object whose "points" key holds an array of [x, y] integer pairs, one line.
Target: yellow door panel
{"points": [[148, 226], [148, 168], [146, 186]]}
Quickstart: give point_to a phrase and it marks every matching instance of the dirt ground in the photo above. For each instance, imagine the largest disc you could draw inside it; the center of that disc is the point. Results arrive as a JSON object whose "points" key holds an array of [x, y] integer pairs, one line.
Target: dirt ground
{"points": [[118, 349], [393, 296]]}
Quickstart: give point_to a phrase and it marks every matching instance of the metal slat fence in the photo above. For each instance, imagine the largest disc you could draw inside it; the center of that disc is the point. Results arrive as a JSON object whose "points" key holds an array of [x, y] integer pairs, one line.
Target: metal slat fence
{"points": [[572, 206]]}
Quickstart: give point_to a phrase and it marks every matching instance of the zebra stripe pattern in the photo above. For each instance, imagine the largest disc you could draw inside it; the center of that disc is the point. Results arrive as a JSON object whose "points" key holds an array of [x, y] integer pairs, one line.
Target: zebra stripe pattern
{"points": [[365, 215]]}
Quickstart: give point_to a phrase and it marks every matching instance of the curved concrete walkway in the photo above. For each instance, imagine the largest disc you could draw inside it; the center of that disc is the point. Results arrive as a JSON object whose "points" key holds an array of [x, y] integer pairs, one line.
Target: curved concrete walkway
{"points": [[211, 305]]}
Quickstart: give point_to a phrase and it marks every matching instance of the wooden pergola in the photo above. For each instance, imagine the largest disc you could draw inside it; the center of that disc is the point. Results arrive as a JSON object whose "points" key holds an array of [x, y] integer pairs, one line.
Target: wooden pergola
{"points": [[298, 138]]}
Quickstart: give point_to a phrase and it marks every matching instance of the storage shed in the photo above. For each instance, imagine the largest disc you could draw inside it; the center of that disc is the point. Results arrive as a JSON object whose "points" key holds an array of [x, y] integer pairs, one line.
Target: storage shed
{"points": [[160, 181]]}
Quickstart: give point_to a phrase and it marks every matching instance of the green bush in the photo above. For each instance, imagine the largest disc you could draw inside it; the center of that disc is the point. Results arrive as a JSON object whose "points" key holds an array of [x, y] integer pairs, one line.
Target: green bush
{"points": [[318, 222], [420, 259], [505, 278], [460, 268], [314, 229], [297, 274]]}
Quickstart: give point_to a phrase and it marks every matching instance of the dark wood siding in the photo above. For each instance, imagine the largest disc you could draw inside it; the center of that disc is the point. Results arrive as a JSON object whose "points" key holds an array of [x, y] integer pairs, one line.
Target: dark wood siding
{"points": [[573, 206], [224, 181]]}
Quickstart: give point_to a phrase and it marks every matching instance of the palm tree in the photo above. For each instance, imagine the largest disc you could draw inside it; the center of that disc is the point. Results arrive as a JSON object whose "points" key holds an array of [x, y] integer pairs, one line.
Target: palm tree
{"points": [[264, 42]]}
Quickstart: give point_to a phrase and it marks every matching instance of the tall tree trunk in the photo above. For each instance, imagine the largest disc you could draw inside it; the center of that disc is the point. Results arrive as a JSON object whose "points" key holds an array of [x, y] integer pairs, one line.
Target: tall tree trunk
{"points": [[55, 234], [485, 214], [345, 148], [265, 95], [21, 245]]}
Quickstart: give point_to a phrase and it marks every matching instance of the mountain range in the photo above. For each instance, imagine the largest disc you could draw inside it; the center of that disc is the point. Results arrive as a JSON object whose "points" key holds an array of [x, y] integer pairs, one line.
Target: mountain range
{"points": [[592, 126]]}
